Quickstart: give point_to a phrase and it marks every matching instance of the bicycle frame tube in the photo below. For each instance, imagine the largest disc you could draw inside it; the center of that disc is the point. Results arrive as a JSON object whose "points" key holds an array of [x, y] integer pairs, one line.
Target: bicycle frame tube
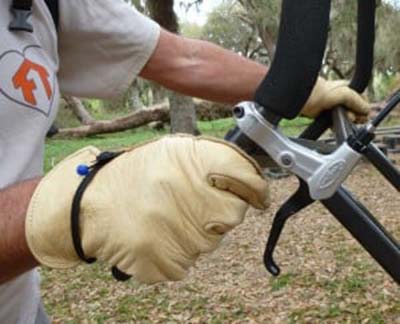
{"points": [[366, 230]]}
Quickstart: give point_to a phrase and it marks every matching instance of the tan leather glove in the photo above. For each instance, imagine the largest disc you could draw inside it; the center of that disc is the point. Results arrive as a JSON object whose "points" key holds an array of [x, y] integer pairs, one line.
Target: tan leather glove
{"points": [[329, 94], [151, 211]]}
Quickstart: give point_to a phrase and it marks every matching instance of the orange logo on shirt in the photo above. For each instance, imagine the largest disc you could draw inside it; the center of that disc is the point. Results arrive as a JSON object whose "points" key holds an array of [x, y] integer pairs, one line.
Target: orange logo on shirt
{"points": [[27, 80], [27, 85]]}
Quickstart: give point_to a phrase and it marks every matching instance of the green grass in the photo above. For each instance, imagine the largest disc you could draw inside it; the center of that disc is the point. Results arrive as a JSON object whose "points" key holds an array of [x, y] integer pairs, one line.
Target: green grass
{"points": [[281, 282], [57, 149]]}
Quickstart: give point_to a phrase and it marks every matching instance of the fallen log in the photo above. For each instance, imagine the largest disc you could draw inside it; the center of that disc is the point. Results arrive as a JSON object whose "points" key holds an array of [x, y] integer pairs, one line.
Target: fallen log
{"points": [[134, 120], [157, 113]]}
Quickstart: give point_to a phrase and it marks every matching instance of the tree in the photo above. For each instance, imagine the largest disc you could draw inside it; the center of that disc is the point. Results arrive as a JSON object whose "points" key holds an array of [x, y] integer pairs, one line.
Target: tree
{"points": [[265, 21], [388, 39], [247, 27], [183, 113], [79, 110], [227, 30], [250, 27]]}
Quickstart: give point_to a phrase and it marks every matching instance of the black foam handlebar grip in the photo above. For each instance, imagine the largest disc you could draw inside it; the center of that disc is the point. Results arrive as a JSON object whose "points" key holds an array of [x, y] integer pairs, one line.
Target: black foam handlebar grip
{"points": [[300, 48], [365, 45]]}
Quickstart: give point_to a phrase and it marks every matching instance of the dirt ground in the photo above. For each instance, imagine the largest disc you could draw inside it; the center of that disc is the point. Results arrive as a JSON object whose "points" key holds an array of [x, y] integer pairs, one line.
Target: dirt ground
{"points": [[326, 276]]}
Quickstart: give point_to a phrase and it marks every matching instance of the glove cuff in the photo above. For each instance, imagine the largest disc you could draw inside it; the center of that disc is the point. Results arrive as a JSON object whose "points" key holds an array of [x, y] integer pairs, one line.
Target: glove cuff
{"points": [[48, 221]]}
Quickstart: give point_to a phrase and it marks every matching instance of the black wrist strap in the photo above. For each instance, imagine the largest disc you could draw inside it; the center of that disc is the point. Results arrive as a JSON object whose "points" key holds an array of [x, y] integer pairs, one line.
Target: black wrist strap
{"points": [[103, 159]]}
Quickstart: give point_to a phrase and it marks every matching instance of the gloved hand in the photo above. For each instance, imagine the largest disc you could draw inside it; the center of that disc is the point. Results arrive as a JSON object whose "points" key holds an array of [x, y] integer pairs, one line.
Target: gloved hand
{"points": [[329, 94], [151, 211]]}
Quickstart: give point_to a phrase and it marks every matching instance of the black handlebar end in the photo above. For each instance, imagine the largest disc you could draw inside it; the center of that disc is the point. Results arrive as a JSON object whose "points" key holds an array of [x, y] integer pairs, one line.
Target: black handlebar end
{"points": [[300, 48]]}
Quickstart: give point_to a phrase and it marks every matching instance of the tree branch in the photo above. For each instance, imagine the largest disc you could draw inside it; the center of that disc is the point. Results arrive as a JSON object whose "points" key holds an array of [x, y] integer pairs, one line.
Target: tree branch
{"points": [[79, 110]]}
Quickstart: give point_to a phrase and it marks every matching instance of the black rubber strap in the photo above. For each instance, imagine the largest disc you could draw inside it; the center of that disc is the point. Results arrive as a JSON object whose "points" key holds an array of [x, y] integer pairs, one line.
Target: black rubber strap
{"points": [[53, 7], [22, 4], [21, 12], [101, 161]]}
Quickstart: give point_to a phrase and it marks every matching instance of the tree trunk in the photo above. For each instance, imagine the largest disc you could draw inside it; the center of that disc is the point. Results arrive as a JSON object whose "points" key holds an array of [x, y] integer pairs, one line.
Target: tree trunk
{"points": [[163, 13], [136, 101], [183, 113], [267, 40], [79, 110], [159, 93]]}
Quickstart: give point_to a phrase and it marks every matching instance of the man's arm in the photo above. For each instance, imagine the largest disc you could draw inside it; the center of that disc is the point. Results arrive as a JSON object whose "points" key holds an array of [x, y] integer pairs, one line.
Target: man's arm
{"points": [[202, 69], [15, 256]]}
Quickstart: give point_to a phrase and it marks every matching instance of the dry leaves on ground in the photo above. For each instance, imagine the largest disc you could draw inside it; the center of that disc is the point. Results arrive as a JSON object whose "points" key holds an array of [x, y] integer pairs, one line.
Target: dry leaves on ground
{"points": [[326, 276]]}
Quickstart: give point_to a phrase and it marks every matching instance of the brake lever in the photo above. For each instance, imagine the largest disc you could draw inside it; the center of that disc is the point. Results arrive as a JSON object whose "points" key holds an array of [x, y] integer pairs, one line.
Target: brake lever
{"points": [[297, 202], [301, 199]]}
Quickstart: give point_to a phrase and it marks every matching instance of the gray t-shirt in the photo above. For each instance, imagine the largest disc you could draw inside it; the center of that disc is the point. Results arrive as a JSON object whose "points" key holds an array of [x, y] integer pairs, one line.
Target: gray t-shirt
{"points": [[100, 48]]}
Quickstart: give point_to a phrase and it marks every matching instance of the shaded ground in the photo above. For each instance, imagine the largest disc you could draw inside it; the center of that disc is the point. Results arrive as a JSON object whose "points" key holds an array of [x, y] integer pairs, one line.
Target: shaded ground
{"points": [[326, 276]]}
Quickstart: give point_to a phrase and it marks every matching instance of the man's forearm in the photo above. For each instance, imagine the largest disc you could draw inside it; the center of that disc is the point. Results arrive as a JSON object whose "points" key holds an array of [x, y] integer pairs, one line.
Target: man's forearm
{"points": [[202, 69], [15, 256]]}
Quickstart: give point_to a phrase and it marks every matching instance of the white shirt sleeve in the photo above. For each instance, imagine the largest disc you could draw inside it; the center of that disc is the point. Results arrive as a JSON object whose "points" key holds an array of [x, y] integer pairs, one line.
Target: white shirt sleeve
{"points": [[103, 46]]}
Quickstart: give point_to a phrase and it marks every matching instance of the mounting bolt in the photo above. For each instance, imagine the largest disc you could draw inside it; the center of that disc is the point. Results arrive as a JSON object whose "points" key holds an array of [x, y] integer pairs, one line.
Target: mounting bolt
{"points": [[287, 160], [238, 112]]}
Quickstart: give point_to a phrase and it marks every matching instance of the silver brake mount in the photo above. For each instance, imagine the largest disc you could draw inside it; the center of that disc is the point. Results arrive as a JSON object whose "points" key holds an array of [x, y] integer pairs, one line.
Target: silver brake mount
{"points": [[323, 173]]}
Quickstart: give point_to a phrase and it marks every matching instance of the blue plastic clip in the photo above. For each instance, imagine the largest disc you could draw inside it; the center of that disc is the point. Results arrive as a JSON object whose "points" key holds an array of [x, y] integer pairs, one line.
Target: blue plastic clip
{"points": [[83, 170]]}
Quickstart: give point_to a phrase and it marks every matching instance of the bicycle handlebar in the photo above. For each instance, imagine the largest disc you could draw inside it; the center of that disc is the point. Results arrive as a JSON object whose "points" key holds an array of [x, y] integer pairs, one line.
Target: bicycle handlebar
{"points": [[365, 45], [300, 48]]}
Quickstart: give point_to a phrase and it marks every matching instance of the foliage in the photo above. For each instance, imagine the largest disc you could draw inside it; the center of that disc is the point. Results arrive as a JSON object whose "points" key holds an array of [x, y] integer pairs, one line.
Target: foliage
{"points": [[224, 29], [384, 84], [242, 27], [191, 30], [342, 44], [388, 39], [250, 28]]}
